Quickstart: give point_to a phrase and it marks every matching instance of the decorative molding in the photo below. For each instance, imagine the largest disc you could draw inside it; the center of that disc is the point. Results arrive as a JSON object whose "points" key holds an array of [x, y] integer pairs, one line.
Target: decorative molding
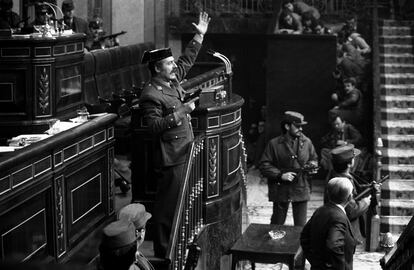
{"points": [[43, 51], [212, 170], [41, 211], [43, 89], [15, 52], [111, 178], [99, 177], [60, 216]]}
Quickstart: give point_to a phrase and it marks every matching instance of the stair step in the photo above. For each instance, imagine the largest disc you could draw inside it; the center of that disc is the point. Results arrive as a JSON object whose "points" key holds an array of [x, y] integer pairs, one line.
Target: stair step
{"points": [[398, 101], [393, 224], [401, 189], [397, 39], [397, 89], [397, 113], [395, 30], [397, 78], [396, 48], [395, 68], [397, 58], [401, 171], [396, 23], [397, 207], [398, 141], [397, 156]]}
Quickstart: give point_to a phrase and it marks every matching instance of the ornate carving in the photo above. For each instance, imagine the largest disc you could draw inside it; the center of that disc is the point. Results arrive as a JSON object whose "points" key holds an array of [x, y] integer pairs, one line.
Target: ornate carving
{"points": [[60, 229], [43, 98], [111, 180], [212, 166]]}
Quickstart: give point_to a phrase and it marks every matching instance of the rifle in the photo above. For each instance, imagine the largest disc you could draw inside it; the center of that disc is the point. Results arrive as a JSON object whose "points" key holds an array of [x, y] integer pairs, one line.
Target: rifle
{"points": [[371, 188], [111, 36]]}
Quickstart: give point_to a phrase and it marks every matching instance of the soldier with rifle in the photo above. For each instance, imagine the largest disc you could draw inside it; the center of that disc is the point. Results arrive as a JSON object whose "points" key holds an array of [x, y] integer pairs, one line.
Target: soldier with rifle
{"points": [[342, 161], [285, 163], [99, 42]]}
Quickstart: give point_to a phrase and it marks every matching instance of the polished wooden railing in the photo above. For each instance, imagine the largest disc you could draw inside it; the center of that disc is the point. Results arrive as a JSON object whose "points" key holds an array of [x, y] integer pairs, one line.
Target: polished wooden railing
{"points": [[188, 219]]}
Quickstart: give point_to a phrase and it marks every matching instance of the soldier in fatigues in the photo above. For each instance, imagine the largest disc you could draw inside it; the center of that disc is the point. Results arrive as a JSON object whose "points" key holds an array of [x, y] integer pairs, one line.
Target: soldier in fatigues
{"points": [[167, 117]]}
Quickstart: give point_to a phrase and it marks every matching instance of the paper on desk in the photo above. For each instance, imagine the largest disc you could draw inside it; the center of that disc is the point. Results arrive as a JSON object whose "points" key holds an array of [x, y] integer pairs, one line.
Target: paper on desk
{"points": [[61, 126]]}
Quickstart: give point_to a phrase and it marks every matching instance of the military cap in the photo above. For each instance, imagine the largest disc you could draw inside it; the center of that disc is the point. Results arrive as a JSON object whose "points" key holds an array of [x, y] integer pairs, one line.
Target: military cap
{"points": [[67, 5], [136, 213], [294, 118], [344, 153], [118, 234], [156, 55]]}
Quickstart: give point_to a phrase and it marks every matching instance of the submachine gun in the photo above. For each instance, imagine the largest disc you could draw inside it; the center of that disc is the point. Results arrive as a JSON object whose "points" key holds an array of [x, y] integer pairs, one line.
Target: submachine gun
{"points": [[371, 188], [310, 168], [112, 38]]}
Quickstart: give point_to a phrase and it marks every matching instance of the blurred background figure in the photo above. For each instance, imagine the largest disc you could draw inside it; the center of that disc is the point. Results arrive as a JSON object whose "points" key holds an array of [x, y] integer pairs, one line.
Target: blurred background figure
{"points": [[9, 18]]}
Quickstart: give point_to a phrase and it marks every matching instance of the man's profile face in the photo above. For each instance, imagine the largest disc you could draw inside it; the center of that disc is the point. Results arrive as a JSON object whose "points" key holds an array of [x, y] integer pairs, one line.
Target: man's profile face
{"points": [[166, 69], [338, 124], [295, 130]]}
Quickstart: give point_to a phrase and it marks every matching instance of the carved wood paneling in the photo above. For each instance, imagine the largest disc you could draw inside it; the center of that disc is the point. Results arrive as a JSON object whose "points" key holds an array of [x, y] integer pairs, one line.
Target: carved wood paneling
{"points": [[60, 216], [43, 100], [213, 166]]}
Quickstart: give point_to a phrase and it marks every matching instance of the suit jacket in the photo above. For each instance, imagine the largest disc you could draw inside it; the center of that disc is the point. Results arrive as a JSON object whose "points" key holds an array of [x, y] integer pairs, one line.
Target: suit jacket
{"points": [[277, 159], [355, 210], [161, 105], [327, 239]]}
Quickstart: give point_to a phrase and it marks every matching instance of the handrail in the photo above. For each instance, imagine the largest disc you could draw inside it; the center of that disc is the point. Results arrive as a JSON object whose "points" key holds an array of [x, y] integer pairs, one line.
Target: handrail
{"points": [[372, 244], [189, 218]]}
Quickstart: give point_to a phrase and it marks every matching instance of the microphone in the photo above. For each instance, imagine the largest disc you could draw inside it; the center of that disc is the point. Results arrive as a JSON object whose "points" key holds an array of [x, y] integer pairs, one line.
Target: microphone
{"points": [[223, 58]]}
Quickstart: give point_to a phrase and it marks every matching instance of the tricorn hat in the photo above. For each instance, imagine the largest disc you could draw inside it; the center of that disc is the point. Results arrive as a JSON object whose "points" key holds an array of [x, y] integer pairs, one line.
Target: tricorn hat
{"points": [[136, 213], [118, 234], [344, 153], [294, 118], [156, 55]]}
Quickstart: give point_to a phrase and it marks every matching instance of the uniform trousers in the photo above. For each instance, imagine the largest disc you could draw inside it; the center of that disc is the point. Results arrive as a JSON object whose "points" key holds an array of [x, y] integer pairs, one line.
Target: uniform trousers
{"points": [[168, 189], [280, 209]]}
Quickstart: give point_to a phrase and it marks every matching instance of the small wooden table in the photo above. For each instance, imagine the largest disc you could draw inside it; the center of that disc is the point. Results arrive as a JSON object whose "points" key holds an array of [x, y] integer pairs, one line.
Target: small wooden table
{"points": [[256, 245]]}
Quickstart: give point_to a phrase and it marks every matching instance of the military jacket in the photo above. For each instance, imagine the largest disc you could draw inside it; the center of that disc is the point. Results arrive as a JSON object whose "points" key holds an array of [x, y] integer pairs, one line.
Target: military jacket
{"points": [[161, 104], [278, 159]]}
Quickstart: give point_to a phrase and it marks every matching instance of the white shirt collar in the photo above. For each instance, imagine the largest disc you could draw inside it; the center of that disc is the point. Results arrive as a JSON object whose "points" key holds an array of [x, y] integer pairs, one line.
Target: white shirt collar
{"points": [[341, 207]]}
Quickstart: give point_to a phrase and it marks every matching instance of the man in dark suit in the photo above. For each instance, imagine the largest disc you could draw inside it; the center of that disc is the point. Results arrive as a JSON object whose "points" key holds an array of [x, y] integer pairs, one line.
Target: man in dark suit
{"points": [[78, 25], [168, 119], [327, 239]]}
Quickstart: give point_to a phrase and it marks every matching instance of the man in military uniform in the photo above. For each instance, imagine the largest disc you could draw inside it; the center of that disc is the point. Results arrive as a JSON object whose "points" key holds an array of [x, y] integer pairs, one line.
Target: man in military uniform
{"points": [[342, 161], [167, 117], [282, 163]]}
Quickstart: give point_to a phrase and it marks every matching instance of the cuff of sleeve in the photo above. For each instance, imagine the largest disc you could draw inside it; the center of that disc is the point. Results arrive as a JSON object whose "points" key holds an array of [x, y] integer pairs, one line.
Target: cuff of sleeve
{"points": [[199, 38]]}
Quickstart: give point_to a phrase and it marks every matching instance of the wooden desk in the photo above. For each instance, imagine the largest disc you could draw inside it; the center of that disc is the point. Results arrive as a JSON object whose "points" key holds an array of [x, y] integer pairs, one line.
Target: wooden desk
{"points": [[256, 245]]}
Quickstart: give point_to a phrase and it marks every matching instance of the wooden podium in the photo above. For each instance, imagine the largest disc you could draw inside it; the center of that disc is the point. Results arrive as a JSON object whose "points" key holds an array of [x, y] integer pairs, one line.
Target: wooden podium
{"points": [[40, 78]]}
